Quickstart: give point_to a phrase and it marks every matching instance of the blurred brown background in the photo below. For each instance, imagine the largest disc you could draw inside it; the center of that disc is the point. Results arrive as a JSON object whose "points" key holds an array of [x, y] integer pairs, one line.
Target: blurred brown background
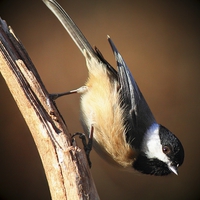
{"points": [[160, 42]]}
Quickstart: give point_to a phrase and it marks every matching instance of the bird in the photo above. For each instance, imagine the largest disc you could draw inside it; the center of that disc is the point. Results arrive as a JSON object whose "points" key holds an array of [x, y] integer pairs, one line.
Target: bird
{"points": [[116, 114]]}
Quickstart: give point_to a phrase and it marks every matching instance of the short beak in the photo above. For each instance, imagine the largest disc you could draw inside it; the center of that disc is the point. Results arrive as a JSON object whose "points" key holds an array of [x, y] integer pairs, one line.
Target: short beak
{"points": [[173, 169]]}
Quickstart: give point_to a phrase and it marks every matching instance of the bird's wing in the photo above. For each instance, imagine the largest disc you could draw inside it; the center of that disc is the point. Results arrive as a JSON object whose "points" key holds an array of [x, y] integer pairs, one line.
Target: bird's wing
{"points": [[138, 114]]}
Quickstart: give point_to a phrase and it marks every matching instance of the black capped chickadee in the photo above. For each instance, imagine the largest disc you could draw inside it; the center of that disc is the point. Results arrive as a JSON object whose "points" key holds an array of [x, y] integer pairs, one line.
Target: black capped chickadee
{"points": [[124, 128]]}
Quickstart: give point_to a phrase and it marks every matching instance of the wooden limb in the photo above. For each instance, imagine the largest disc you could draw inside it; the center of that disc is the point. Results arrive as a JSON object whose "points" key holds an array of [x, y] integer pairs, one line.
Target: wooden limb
{"points": [[66, 167]]}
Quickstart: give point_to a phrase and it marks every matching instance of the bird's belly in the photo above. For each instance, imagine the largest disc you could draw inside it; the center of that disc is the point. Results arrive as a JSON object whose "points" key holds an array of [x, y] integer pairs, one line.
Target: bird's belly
{"points": [[101, 110]]}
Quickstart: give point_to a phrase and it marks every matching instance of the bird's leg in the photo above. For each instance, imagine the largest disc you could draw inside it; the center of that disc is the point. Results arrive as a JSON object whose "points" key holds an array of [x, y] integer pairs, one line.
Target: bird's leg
{"points": [[79, 90], [87, 146]]}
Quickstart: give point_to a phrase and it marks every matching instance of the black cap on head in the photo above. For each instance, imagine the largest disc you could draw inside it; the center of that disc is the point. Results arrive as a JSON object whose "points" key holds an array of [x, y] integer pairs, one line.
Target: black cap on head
{"points": [[172, 147]]}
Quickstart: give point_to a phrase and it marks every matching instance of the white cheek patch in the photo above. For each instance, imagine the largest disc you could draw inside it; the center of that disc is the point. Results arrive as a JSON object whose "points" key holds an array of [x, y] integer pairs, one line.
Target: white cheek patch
{"points": [[152, 146]]}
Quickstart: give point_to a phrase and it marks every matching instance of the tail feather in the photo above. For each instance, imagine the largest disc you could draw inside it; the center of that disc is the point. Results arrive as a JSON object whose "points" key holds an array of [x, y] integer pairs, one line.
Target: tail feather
{"points": [[71, 27]]}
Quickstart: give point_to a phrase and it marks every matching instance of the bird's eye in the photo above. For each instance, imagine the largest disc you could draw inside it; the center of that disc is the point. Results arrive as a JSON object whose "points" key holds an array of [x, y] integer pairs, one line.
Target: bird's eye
{"points": [[166, 150]]}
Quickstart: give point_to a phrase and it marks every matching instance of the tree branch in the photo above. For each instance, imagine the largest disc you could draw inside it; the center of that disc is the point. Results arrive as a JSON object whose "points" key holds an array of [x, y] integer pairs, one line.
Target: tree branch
{"points": [[65, 165]]}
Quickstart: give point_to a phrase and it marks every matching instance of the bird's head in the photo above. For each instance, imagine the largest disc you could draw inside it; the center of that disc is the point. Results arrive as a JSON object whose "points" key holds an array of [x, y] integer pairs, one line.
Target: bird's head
{"points": [[161, 152]]}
